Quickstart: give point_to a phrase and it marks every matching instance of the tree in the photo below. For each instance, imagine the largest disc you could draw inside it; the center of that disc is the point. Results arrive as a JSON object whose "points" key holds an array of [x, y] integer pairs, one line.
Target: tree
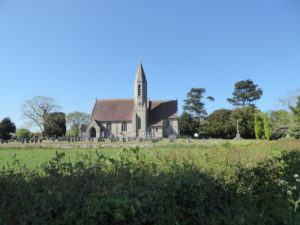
{"points": [[194, 103], [257, 127], [290, 100], [55, 125], [187, 124], [267, 128], [281, 122], [75, 120], [22, 133], [218, 124], [37, 109], [74, 130], [6, 129], [245, 93], [296, 112]]}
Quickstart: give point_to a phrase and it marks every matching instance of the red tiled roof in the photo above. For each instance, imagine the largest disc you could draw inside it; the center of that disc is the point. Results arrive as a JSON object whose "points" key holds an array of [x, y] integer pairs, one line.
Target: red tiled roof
{"points": [[113, 110], [121, 110], [160, 110]]}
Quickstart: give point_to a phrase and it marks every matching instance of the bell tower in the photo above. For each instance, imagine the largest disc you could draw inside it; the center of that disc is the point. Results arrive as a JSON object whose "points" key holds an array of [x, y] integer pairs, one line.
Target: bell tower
{"points": [[139, 117]]}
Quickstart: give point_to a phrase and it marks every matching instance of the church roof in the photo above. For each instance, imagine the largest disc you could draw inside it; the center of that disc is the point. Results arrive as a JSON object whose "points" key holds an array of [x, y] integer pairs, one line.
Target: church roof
{"points": [[160, 110], [121, 110], [140, 75], [113, 110]]}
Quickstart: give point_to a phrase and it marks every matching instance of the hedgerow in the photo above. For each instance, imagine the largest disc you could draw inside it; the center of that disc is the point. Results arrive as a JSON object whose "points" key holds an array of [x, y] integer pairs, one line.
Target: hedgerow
{"points": [[132, 190]]}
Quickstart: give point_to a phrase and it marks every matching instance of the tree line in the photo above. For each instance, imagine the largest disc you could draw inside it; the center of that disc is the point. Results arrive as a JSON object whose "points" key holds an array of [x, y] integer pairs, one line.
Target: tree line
{"points": [[253, 123], [44, 113]]}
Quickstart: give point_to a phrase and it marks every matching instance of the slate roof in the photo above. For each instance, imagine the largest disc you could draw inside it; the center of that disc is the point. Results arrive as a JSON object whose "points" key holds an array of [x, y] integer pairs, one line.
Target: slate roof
{"points": [[115, 110]]}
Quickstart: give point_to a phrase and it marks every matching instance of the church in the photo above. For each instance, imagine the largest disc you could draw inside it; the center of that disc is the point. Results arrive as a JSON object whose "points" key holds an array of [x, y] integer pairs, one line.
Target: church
{"points": [[137, 117]]}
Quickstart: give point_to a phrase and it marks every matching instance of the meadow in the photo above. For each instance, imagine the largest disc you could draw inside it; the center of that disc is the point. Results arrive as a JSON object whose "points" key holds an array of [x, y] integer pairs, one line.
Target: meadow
{"points": [[197, 182]]}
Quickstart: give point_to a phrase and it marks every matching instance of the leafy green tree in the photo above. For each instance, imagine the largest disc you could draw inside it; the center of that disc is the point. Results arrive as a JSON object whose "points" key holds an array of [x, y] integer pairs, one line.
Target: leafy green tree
{"points": [[74, 130], [257, 127], [245, 116], [245, 93], [6, 129], [218, 124], [22, 133], [296, 112], [281, 122], [187, 124], [267, 128], [55, 125], [35, 135], [194, 102], [75, 120]]}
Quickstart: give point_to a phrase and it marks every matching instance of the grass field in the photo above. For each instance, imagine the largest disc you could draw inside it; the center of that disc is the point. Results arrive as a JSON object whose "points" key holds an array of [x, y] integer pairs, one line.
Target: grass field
{"points": [[202, 182], [216, 155]]}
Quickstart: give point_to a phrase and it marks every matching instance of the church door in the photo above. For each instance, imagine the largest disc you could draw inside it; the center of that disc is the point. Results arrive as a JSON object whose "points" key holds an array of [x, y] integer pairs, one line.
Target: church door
{"points": [[93, 132]]}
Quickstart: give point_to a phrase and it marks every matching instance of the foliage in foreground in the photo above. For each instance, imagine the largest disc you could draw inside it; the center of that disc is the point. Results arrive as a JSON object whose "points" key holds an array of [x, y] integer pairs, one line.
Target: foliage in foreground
{"points": [[130, 189]]}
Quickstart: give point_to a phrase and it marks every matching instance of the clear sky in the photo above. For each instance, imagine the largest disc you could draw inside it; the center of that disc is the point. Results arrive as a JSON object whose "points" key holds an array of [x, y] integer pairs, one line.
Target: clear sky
{"points": [[76, 51]]}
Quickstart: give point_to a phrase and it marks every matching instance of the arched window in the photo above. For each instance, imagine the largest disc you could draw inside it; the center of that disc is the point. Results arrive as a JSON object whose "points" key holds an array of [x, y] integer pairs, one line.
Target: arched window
{"points": [[139, 90], [124, 126], [108, 126], [139, 124]]}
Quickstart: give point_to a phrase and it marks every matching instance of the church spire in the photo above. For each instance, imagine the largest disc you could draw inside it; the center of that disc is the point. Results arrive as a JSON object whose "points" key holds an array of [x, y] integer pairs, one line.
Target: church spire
{"points": [[140, 75]]}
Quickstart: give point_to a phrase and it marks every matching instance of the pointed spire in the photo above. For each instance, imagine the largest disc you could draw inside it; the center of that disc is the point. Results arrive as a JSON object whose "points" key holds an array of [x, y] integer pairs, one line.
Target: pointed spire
{"points": [[140, 75]]}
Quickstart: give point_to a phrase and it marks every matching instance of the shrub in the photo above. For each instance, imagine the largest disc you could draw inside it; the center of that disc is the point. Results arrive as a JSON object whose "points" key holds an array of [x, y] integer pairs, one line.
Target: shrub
{"points": [[129, 189]]}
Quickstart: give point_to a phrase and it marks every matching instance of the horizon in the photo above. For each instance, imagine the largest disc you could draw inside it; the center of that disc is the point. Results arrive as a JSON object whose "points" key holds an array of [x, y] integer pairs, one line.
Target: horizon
{"points": [[79, 52]]}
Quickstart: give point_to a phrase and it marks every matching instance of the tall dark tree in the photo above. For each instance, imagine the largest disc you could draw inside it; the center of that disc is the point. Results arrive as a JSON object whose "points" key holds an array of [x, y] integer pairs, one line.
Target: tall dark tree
{"points": [[187, 125], [55, 125], [218, 124], [245, 93], [194, 102], [6, 129]]}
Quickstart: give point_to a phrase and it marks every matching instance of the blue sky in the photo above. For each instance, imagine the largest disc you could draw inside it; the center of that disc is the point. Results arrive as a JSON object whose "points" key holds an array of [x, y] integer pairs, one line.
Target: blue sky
{"points": [[76, 51]]}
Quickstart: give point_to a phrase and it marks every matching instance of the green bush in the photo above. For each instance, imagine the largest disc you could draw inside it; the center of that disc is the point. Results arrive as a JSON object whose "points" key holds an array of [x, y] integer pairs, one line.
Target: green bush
{"points": [[129, 189]]}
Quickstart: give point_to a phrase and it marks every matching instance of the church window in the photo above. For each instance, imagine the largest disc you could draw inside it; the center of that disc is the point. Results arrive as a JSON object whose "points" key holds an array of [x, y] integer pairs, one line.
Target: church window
{"points": [[139, 124], [108, 126], [139, 90], [124, 126]]}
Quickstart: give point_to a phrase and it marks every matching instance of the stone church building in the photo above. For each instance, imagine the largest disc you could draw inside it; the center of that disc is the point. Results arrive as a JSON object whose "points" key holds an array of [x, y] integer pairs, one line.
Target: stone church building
{"points": [[135, 117]]}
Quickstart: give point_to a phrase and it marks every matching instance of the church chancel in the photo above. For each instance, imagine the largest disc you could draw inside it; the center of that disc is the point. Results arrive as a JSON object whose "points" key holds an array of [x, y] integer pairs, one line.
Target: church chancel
{"points": [[136, 117]]}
